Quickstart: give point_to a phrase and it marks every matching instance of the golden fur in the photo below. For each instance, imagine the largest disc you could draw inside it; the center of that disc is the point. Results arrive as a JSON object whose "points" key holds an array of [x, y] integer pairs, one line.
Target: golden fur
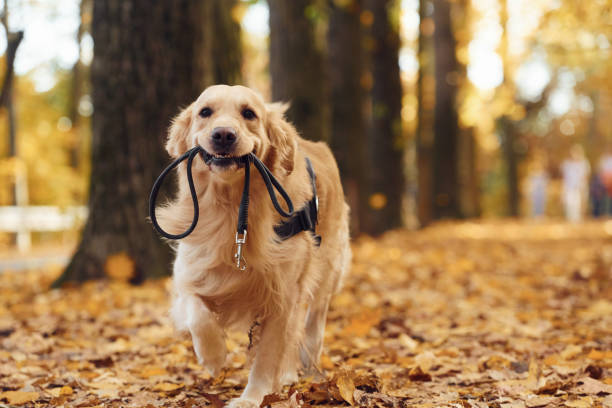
{"points": [[288, 285]]}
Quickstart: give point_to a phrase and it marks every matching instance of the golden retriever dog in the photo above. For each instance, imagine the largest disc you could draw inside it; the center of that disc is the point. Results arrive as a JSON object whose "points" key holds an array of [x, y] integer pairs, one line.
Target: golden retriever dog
{"points": [[286, 288]]}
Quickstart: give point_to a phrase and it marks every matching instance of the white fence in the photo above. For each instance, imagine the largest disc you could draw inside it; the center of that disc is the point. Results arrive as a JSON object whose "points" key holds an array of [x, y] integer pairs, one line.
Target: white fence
{"points": [[24, 220]]}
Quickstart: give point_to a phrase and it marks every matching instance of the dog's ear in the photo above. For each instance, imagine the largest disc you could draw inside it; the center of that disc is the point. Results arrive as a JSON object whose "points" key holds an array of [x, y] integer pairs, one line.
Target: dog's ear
{"points": [[179, 130], [283, 136]]}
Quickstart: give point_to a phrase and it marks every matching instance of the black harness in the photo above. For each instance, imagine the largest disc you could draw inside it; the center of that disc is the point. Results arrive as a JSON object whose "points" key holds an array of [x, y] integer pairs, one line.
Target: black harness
{"points": [[307, 218], [295, 221]]}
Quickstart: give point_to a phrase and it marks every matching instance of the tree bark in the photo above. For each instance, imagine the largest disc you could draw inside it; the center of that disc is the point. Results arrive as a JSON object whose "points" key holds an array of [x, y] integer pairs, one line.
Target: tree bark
{"points": [[296, 66], [80, 73], [19, 187], [425, 117], [469, 186], [386, 180], [508, 132], [507, 126], [347, 138], [446, 131], [144, 68], [222, 43]]}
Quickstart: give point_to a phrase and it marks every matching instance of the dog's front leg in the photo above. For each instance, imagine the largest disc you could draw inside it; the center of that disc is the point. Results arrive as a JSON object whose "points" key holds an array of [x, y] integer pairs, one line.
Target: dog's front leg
{"points": [[190, 312], [274, 346]]}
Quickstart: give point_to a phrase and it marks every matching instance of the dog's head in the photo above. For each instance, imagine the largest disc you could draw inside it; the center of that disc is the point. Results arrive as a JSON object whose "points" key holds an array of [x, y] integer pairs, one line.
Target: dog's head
{"points": [[230, 122]]}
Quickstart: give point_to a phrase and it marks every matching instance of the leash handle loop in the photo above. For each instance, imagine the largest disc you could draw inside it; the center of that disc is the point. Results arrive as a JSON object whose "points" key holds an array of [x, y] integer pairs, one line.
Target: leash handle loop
{"points": [[189, 155]]}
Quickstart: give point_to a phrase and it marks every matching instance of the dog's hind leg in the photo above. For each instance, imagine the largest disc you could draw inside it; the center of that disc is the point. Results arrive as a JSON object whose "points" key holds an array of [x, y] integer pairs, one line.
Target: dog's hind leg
{"points": [[189, 312], [312, 344]]}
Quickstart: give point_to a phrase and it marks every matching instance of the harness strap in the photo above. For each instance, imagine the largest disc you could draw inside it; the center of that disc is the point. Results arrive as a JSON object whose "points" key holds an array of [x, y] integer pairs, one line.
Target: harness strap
{"points": [[307, 218]]}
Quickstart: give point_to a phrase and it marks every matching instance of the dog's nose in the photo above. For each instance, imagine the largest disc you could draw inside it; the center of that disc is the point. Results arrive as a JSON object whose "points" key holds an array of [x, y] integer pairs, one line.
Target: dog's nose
{"points": [[223, 137]]}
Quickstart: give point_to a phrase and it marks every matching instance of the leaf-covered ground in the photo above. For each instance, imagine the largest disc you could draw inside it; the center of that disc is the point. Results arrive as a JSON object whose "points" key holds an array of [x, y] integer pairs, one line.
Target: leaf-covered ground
{"points": [[458, 315]]}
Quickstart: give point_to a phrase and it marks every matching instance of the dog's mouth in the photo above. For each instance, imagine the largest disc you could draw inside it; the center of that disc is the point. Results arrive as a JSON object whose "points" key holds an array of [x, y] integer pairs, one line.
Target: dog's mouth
{"points": [[223, 160]]}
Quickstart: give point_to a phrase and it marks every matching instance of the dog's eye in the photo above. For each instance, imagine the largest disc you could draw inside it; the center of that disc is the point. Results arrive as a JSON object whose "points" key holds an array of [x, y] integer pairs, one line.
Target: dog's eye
{"points": [[248, 114], [206, 112]]}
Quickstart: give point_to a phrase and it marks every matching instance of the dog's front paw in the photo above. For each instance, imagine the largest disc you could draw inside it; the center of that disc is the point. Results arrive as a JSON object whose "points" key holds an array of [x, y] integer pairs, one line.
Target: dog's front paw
{"points": [[288, 378], [242, 403]]}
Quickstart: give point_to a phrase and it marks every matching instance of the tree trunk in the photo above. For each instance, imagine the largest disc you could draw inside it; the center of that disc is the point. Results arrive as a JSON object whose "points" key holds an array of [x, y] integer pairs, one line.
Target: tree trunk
{"points": [[296, 66], [347, 138], [446, 132], [425, 117], [385, 146], [511, 158], [222, 44], [20, 187], [144, 69], [80, 74], [507, 126], [469, 186]]}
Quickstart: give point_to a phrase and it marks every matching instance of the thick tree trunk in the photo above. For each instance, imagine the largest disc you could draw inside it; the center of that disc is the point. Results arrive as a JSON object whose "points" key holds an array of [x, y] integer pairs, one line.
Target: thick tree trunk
{"points": [[144, 69], [296, 66], [222, 43], [347, 138], [425, 117], [385, 146], [446, 132]]}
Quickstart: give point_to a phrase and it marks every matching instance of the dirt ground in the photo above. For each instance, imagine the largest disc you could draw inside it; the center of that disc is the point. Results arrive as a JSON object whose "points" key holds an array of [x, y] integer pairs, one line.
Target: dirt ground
{"points": [[497, 314]]}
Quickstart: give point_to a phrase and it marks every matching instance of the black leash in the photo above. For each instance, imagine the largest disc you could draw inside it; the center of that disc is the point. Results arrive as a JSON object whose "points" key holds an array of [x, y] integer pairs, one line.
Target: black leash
{"points": [[243, 211], [189, 155]]}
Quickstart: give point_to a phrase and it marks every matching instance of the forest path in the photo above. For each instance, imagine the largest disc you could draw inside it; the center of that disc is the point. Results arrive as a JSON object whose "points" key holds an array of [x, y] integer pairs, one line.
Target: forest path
{"points": [[487, 314]]}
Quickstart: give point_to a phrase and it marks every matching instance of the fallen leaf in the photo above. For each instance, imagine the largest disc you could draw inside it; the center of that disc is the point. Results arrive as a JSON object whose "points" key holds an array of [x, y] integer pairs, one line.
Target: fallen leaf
{"points": [[60, 391], [166, 386], [588, 385], [417, 374], [19, 397], [346, 386]]}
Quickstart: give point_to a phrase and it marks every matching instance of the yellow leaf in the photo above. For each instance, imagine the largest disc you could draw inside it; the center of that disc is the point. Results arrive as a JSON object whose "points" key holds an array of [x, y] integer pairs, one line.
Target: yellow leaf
{"points": [[19, 397], [119, 266], [360, 325], [165, 386], [600, 355], [585, 402], [571, 352], [346, 386], [152, 371], [60, 391], [326, 362]]}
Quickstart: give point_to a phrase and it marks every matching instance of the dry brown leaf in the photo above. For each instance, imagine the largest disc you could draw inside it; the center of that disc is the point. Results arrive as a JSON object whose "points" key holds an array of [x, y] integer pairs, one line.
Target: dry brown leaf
{"points": [[416, 374], [61, 391], [346, 386], [19, 397], [166, 386], [588, 385], [585, 402]]}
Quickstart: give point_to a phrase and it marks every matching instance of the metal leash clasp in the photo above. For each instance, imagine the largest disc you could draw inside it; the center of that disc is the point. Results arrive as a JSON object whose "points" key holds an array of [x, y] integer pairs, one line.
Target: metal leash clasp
{"points": [[240, 241]]}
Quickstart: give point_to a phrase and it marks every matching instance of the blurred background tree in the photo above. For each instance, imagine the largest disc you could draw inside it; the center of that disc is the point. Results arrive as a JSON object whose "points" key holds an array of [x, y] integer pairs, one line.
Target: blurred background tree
{"points": [[435, 109]]}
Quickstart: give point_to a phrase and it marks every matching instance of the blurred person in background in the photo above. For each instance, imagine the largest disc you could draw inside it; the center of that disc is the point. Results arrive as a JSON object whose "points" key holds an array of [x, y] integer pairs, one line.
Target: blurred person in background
{"points": [[575, 172], [538, 186], [605, 177], [598, 195]]}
